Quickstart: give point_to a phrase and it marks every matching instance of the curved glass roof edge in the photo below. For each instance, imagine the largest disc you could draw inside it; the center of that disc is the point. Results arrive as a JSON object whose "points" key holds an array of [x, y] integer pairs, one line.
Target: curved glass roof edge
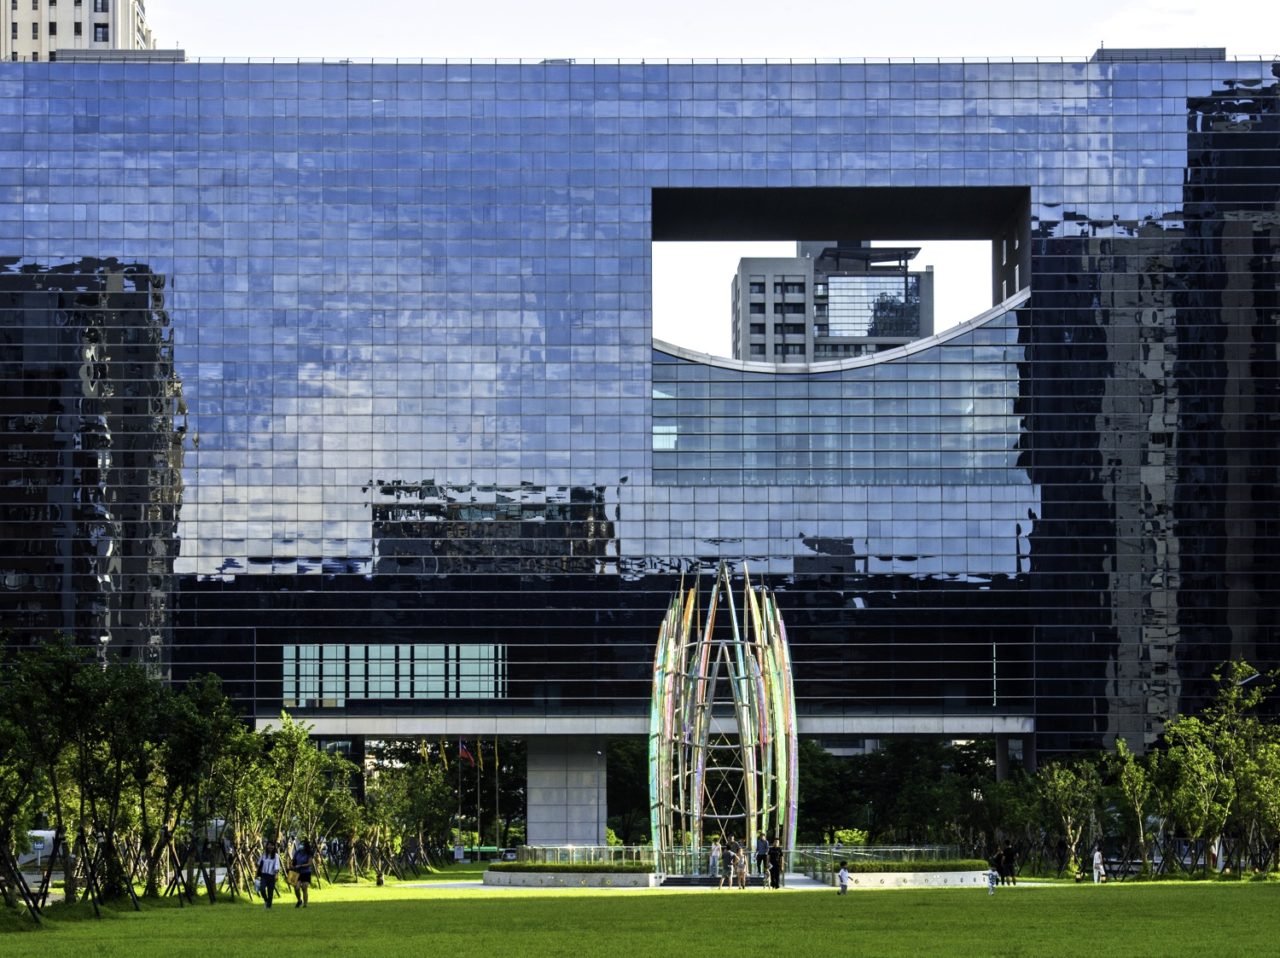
{"points": [[1016, 301]]}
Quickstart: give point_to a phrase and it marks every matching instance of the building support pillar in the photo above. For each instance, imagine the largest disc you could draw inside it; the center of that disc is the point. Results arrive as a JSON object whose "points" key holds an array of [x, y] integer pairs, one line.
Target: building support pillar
{"points": [[566, 794], [1002, 757]]}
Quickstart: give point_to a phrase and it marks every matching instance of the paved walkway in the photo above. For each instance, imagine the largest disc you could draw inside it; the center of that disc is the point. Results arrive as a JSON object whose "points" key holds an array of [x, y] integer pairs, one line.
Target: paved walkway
{"points": [[792, 882]]}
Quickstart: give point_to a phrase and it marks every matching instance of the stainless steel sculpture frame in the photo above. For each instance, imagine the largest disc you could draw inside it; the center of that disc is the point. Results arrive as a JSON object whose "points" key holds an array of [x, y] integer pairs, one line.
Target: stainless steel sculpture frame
{"points": [[727, 772]]}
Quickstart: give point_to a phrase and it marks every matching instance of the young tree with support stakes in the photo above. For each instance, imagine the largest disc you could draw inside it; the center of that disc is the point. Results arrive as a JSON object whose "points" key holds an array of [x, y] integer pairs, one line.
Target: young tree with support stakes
{"points": [[1069, 793], [1135, 785]]}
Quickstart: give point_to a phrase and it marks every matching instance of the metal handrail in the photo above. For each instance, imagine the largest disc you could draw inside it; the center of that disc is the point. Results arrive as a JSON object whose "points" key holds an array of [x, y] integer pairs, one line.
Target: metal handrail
{"points": [[819, 862], [586, 854]]}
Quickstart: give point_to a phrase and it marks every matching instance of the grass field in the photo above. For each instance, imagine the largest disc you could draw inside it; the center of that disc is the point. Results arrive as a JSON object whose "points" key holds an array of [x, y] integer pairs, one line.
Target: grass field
{"points": [[1203, 919]]}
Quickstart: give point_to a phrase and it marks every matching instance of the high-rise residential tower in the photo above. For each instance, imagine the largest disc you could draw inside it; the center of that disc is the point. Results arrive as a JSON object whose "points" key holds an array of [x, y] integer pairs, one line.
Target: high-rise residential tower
{"points": [[832, 300], [40, 29]]}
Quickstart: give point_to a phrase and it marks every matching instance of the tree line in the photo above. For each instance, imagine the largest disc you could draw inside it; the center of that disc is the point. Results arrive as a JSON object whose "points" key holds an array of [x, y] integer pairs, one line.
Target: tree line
{"points": [[165, 791], [1205, 798], [153, 790]]}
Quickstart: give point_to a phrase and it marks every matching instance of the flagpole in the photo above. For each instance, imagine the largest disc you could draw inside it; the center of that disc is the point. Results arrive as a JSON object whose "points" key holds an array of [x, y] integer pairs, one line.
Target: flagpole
{"points": [[497, 818], [479, 832]]}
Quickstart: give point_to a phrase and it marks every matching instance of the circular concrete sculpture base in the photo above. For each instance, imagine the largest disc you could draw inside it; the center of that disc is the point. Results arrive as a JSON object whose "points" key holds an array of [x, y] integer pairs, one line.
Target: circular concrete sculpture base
{"points": [[873, 880], [571, 879]]}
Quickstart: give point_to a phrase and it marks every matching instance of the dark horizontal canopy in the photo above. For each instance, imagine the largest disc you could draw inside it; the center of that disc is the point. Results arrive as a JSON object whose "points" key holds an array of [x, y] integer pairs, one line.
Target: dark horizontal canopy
{"points": [[873, 212]]}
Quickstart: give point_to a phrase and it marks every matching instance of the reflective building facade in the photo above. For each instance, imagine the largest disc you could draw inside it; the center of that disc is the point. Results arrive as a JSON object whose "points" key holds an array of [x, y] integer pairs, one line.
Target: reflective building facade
{"points": [[339, 378]]}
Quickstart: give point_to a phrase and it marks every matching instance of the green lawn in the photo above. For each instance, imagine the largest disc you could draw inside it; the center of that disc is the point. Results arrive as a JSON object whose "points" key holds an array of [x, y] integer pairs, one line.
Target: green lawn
{"points": [[1203, 919]]}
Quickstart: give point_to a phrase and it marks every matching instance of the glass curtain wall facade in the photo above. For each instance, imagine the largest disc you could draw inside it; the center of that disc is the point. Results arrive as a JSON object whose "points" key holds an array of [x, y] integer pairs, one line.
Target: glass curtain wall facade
{"points": [[396, 440]]}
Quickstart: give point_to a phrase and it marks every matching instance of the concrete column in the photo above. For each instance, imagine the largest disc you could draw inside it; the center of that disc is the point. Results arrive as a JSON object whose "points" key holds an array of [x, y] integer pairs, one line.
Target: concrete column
{"points": [[565, 794], [1029, 754], [357, 757], [1002, 757]]}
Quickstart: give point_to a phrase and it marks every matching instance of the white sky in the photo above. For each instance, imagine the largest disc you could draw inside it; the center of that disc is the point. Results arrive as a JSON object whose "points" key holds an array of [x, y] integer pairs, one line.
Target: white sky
{"points": [[691, 281]]}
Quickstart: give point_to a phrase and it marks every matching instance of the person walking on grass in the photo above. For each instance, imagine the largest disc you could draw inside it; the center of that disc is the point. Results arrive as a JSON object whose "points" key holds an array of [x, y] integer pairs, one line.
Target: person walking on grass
{"points": [[744, 867], [842, 877], [304, 864], [268, 871], [730, 864]]}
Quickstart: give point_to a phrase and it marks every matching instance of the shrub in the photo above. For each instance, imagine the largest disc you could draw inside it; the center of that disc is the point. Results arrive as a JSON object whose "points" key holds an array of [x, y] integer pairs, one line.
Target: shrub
{"points": [[852, 836]]}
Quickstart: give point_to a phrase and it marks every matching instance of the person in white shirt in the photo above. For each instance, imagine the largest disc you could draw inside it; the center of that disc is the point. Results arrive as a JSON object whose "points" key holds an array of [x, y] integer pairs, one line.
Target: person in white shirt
{"points": [[268, 871], [1099, 872], [843, 877]]}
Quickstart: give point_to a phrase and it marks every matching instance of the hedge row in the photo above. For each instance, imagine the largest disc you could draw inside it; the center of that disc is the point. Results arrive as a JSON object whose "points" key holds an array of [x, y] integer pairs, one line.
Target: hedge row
{"points": [[862, 865], [627, 868]]}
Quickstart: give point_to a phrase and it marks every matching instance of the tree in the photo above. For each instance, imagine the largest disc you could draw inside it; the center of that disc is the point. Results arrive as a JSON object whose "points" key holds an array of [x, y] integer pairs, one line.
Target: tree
{"points": [[1210, 756], [41, 691], [1245, 742], [1260, 797], [419, 792], [1203, 790], [824, 794], [241, 788], [627, 765], [22, 788], [293, 766], [1135, 786], [919, 790], [1069, 793]]}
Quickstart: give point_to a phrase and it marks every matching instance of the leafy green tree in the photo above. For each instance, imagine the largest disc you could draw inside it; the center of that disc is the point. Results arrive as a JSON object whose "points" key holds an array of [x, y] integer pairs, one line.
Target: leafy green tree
{"points": [[22, 787], [41, 692], [1243, 740], [627, 771], [1069, 793], [825, 804], [1260, 796], [293, 767], [425, 799], [1210, 755], [920, 790], [1004, 812], [1203, 789], [1135, 786], [240, 787]]}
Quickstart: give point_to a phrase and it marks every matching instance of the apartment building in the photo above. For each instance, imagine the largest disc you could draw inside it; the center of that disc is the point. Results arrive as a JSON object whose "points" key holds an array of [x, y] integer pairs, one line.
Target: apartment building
{"points": [[832, 300], [37, 29]]}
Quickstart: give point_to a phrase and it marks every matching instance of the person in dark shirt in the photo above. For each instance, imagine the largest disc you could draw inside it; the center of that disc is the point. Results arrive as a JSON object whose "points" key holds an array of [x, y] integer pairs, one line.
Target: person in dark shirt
{"points": [[304, 864], [1010, 875], [762, 855], [729, 862], [775, 864]]}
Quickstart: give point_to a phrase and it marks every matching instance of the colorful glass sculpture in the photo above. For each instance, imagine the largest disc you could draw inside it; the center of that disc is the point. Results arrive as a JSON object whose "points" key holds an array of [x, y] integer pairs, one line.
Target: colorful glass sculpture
{"points": [[722, 733]]}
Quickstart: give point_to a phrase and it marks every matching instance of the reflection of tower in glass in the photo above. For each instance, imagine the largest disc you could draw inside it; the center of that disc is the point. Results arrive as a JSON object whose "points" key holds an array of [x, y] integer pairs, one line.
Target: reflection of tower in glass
{"points": [[436, 528], [1226, 372], [92, 455]]}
